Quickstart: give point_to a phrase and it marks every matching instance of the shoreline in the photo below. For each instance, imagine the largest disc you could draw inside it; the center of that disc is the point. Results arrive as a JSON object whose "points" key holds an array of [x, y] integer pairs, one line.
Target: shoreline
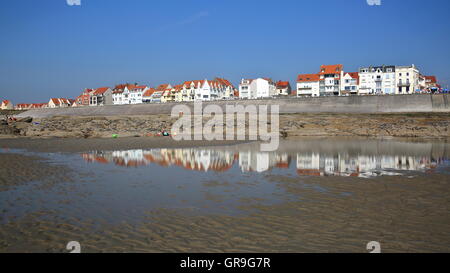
{"points": [[74, 145]]}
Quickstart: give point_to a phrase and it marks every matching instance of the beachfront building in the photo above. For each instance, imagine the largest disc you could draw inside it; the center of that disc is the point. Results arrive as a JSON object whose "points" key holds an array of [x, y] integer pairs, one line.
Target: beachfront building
{"points": [[229, 91], [176, 93], [136, 93], [147, 96], [283, 88], [6, 105], [59, 103], [407, 79], [330, 76], [121, 94], [257, 88], [44, 105], [84, 99], [101, 96], [308, 85], [154, 95], [23, 106], [377, 80], [431, 84], [349, 83]]}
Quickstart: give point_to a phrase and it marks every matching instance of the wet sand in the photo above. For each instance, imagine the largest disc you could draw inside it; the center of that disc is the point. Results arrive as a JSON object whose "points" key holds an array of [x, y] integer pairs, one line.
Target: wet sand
{"points": [[404, 215], [17, 169], [51, 145]]}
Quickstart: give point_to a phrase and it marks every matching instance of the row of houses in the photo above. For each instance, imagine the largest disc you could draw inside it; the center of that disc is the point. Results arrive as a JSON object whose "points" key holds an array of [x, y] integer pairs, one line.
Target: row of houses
{"points": [[331, 80]]}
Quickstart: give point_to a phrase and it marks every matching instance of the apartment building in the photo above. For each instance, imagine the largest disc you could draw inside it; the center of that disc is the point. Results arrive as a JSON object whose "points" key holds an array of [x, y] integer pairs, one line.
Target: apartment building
{"points": [[407, 79], [101, 96], [330, 76], [257, 88], [308, 85], [377, 80]]}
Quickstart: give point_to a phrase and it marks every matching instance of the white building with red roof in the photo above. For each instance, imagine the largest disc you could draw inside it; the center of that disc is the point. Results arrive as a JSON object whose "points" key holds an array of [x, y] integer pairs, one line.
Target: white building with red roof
{"points": [[6, 105], [283, 88], [59, 103], [308, 85], [349, 83], [330, 79]]}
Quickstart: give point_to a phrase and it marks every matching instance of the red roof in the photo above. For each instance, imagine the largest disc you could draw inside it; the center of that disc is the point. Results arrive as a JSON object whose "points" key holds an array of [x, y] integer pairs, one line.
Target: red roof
{"points": [[431, 79], [281, 84], [354, 75], [101, 90], [331, 69], [308, 78], [149, 92], [162, 87], [6, 102], [55, 101]]}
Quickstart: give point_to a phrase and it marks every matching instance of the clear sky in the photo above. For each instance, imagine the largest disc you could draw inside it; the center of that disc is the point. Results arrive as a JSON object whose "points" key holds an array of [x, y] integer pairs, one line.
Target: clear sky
{"points": [[50, 49]]}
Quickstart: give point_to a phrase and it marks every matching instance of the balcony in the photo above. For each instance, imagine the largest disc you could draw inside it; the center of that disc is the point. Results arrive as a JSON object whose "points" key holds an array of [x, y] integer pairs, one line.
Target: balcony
{"points": [[404, 84]]}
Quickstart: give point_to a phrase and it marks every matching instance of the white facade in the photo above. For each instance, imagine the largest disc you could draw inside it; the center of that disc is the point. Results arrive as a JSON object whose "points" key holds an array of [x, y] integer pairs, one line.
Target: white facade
{"points": [[308, 85], [407, 79], [377, 80], [257, 88], [349, 83]]}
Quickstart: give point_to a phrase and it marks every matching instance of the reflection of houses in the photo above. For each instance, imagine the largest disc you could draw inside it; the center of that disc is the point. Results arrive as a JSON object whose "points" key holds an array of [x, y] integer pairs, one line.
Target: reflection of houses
{"points": [[359, 165], [309, 164], [251, 161]]}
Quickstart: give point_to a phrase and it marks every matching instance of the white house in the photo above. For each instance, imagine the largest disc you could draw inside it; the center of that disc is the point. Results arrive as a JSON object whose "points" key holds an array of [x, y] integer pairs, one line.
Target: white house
{"points": [[127, 94], [283, 88], [407, 79], [308, 85], [136, 94], [257, 88], [59, 102], [6, 105], [349, 83]]}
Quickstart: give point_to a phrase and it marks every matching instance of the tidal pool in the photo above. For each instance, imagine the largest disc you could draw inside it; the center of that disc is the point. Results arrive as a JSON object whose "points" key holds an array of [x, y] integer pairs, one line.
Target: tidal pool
{"points": [[311, 195]]}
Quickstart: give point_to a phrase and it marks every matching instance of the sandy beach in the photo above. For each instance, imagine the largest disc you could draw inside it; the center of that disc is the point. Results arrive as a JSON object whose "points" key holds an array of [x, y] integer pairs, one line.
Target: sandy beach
{"points": [[406, 213]]}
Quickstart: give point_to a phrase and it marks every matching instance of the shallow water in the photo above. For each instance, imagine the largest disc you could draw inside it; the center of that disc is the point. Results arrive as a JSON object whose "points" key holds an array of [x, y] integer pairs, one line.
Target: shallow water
{"points": [[114, 188]]}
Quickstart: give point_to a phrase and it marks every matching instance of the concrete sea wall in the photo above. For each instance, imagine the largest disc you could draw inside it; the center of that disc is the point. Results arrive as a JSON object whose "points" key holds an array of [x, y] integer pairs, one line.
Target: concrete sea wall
{"points": [[352, 104]]}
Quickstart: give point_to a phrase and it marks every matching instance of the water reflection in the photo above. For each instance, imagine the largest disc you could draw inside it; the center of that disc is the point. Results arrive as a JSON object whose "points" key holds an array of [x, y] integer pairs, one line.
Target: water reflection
{"points": [[308, 158]]}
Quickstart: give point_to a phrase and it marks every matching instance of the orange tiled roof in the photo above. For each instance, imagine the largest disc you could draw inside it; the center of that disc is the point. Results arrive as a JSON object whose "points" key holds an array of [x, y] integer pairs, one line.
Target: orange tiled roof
{"points": [[101, 90], [331, 69], [149, 92], [308, 78], [432, 79], [281, 84]]}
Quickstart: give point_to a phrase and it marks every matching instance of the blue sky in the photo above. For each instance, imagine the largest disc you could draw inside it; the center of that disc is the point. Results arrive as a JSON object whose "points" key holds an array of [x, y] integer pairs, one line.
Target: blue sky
{"points": [[50, 49]]}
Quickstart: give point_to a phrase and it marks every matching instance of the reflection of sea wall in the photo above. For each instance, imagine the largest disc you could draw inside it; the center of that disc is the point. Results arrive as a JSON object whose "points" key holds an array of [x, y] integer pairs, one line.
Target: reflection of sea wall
{"points": [[313, 157]]}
